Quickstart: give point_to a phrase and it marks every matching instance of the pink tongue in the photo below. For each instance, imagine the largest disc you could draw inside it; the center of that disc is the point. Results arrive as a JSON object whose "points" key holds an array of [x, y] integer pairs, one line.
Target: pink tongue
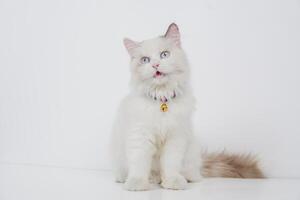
{"points": [[158, 73]]}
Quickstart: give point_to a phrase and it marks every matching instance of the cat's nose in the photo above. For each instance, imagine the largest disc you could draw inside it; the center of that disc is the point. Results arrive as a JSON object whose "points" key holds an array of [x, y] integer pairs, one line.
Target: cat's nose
{"points": [[155, 66]]}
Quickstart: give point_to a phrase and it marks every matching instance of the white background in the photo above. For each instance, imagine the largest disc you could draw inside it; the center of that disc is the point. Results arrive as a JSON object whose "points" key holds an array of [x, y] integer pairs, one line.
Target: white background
{"points": [[63, 71]]}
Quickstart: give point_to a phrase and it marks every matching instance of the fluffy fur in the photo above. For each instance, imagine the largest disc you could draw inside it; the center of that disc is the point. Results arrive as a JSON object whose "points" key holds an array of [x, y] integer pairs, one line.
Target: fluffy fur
{"points": [[230, 165], [149, 145]]}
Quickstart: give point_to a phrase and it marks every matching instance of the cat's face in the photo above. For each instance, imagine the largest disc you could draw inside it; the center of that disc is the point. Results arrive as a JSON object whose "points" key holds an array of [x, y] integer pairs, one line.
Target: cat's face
{"points": [[159, 61]]}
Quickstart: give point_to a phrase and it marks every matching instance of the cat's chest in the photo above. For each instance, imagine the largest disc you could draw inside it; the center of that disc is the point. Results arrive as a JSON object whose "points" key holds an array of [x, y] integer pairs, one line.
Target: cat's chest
{"points": [[162, 113]]}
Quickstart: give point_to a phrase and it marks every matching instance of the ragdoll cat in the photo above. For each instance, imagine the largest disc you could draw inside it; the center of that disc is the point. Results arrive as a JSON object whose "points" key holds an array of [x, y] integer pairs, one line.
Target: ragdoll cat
{"points": [[152, 139]]}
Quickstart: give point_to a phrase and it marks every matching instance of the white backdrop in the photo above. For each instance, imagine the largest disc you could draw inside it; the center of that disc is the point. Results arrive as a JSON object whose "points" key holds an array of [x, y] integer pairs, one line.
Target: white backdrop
{"points": [[63, 70]]}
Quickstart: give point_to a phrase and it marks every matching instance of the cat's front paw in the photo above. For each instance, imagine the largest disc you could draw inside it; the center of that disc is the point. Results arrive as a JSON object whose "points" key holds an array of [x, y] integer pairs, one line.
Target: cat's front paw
{"points": [[192, 176], [119, 179], [136, 184], [176, 182]]}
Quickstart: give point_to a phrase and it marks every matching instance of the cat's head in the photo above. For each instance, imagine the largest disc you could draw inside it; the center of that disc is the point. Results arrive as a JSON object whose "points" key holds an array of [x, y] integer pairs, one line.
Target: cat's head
{"points": [[159, 62]]}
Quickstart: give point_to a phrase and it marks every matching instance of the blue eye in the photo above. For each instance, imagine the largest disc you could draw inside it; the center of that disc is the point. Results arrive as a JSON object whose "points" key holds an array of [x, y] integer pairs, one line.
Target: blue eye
{"points": [[145, 60], [164, 54]]}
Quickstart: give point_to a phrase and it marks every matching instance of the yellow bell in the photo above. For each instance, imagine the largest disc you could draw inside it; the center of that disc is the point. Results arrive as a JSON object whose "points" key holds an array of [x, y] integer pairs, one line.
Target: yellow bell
{"points": [[164, 107]]}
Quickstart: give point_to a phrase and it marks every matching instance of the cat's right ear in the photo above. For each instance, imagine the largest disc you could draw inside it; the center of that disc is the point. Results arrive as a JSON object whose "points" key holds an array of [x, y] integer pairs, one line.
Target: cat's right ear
{"points": [[173, 34], [130, 45]]}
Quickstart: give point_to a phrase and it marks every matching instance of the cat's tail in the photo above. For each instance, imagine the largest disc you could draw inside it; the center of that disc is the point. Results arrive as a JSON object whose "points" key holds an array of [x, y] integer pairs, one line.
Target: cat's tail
{"points": [[228, 165]]}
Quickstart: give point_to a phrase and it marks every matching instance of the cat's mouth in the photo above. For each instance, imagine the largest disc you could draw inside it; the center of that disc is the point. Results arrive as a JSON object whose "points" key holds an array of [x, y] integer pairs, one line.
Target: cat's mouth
{"points": [[159, 74]]}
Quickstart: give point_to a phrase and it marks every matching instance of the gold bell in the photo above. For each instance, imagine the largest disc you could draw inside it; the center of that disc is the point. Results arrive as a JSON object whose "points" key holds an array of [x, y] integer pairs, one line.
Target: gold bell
{"points": [[164, 107]]}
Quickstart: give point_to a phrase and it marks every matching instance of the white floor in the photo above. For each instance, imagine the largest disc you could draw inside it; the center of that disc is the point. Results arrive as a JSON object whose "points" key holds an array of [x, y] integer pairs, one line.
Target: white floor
{"points": [[30, 182]]}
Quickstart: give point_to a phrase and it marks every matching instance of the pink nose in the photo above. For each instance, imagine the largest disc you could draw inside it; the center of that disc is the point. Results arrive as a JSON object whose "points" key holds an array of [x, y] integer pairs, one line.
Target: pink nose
{"points": [[155, 66]]}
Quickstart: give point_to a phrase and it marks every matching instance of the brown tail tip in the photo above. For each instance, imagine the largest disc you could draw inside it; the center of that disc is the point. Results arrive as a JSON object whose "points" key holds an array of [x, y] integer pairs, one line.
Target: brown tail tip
{"points": [[230, 165]]}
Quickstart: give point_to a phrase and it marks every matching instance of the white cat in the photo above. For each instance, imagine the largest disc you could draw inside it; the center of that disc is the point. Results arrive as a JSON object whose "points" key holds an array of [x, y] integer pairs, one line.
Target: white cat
{"points": [[152, 139]]}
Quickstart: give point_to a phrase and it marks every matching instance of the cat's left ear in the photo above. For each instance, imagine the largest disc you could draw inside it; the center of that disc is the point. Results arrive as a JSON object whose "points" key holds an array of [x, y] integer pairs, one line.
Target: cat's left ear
{"points": [[130, 45], [173, 34]]}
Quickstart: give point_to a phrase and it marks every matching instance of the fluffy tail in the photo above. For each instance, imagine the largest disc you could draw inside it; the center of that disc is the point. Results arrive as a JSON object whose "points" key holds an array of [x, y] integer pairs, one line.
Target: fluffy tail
{"points": [[230, 165]]}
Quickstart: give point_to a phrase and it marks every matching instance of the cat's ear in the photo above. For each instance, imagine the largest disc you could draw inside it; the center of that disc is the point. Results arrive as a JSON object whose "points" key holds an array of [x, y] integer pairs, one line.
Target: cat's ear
{"points": [[130, 45], [173, 34]]}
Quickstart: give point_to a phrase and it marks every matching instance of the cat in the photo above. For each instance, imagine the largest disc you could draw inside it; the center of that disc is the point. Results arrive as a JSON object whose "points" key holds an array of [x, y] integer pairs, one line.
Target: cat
{"points": [[152, 136]]}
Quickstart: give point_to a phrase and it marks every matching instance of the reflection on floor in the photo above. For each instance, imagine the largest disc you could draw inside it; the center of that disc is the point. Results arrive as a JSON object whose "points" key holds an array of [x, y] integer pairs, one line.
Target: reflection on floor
{"points": [[30, 182]]}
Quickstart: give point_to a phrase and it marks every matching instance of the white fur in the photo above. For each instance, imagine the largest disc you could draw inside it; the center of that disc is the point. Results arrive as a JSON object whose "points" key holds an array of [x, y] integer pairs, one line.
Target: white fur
{"points": [[148, 144]]}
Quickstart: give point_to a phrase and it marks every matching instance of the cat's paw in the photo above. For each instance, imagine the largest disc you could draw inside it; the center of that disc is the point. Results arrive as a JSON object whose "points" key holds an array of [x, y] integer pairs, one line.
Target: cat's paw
{"points": [[192, 176], [120, 176], [120, 179], [176, 182], [137, 184]]}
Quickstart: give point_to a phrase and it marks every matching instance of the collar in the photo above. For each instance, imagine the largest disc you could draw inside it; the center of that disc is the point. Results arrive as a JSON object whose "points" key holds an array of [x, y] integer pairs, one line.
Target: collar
{"points": [[163, 98]]}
